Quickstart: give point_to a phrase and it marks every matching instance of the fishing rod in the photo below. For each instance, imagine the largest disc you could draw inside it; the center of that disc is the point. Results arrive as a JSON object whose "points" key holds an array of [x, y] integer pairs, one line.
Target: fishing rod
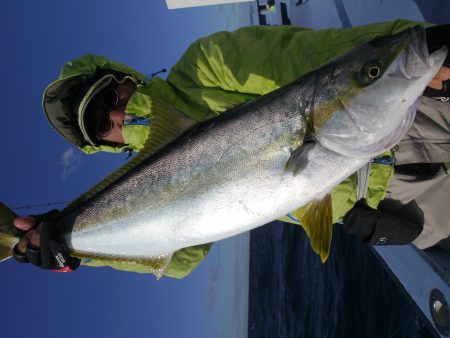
{"points": [[39, 205]]}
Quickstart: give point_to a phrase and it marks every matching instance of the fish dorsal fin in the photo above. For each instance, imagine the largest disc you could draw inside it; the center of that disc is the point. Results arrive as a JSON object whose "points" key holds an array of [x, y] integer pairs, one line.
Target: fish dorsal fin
{"points": [[317, 220], [166, 124]]}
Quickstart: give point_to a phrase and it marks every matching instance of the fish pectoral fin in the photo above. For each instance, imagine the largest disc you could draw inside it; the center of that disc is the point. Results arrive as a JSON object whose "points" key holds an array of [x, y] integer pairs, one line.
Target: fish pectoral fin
{"points": [[317, 220], [299, 158]]}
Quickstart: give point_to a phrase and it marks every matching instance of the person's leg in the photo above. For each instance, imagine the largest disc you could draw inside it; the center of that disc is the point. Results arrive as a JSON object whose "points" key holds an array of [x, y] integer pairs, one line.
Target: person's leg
{"points": [[421, 161]]}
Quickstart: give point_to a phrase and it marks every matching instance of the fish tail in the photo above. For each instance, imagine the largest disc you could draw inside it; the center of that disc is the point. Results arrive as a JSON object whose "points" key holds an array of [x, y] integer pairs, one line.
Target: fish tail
{"points": [[7, 235]]}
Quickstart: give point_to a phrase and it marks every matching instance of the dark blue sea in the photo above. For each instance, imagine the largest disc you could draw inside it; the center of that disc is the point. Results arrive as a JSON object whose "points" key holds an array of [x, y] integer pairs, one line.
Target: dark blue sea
{"points": [[292, 294]]}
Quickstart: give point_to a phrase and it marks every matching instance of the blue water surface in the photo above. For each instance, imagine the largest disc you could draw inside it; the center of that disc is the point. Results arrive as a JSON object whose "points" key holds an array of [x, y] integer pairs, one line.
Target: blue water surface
{"points": [[292, 294]]}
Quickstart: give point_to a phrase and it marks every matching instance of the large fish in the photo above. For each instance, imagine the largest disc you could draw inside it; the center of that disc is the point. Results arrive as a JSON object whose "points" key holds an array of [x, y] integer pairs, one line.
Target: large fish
{"points": [[259, 161]]}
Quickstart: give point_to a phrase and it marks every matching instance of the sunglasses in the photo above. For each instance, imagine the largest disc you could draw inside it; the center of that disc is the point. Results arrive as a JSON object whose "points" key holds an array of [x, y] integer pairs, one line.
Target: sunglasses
{"points": [[104, 124]]}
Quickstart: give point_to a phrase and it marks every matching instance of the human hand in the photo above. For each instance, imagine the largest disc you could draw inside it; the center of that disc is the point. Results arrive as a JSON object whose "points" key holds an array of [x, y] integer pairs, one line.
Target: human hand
{"points": [[39, 244], [438, 36], [442, 76]]}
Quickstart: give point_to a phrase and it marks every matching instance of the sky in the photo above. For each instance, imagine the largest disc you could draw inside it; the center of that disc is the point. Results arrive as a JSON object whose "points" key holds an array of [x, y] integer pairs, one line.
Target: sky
{"points": [[38, 166]]}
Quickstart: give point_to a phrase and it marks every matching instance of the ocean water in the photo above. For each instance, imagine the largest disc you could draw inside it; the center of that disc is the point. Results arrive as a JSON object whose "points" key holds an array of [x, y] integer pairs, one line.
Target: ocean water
{"points": [[292, 294]]}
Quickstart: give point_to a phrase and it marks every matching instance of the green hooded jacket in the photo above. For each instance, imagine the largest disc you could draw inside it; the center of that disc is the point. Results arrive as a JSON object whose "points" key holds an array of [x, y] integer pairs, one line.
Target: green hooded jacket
{"points": [[226, 69]]}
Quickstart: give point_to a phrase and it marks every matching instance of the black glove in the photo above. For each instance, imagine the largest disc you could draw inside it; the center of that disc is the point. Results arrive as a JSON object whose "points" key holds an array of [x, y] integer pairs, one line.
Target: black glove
{"points": [[439, 94], [393, 223], [438, 36], [52, 253]]}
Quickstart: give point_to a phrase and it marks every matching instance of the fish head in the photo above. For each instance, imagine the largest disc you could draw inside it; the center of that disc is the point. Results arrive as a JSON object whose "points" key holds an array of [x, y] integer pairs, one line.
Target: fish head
{"points": [[371, 93]]}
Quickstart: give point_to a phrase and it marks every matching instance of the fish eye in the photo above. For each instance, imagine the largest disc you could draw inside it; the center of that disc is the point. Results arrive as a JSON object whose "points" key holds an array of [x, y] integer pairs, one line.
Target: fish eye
{"points": [[369, 73], [374, 72]]}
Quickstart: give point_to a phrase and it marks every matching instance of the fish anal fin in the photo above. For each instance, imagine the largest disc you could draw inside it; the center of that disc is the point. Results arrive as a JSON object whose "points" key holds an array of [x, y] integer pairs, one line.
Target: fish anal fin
{"points": [[317, 220], [299, 158], [155, 265]]}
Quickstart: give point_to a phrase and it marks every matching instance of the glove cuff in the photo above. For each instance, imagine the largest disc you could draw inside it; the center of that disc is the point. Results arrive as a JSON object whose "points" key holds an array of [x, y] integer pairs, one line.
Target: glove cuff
{"points": [[392, 224]]}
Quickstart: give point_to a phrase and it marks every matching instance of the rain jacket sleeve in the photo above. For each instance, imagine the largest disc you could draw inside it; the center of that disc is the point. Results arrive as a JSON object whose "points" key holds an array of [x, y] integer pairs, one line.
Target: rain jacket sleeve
{"points": [[228, 68]]}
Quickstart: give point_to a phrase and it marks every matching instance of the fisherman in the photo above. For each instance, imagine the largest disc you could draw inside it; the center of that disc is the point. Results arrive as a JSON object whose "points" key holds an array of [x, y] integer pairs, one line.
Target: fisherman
{"points": [[269, 7], [101, 105]]}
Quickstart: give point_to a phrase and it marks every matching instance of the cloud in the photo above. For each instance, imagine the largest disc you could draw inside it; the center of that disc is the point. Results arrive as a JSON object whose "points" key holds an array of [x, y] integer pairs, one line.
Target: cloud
{"points": [[70, 161]]}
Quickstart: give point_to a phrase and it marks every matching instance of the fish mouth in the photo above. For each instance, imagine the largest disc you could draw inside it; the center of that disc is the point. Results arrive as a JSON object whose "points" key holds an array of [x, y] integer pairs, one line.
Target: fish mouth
{"points": [[417, 58], [415, 61]]}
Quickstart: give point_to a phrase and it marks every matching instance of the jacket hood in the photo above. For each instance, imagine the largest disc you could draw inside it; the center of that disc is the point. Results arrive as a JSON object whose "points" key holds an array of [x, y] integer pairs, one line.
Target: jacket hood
{"points": [[62, 97]]}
